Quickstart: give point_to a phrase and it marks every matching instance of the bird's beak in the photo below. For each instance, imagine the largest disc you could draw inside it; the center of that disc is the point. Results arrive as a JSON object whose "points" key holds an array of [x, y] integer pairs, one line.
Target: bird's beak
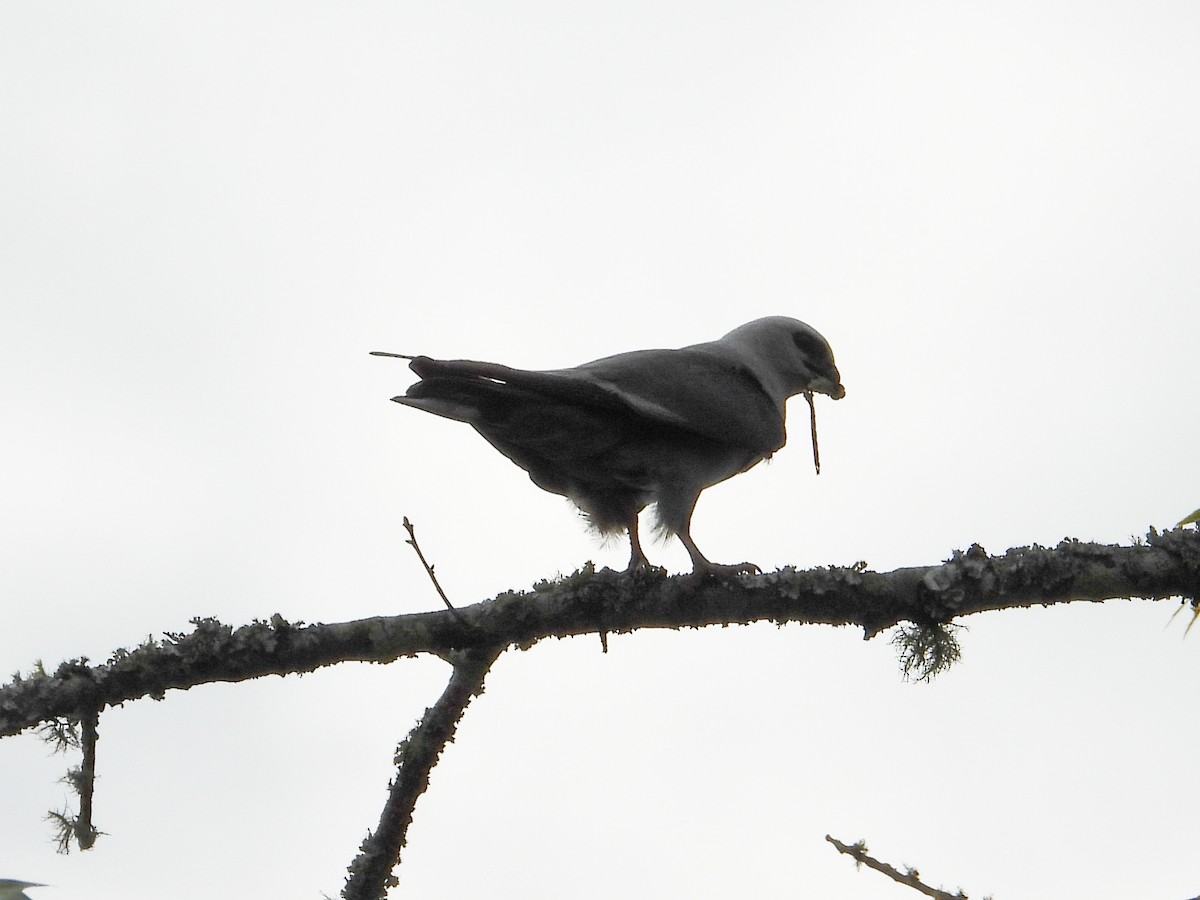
{"points": [[829, 387]]}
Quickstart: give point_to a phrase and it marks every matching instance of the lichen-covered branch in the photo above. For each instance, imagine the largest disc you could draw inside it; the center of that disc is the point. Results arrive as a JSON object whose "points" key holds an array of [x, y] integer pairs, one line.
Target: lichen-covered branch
{"points": [[82, 734], [371, 873], [1164, 565], [909, 877]]}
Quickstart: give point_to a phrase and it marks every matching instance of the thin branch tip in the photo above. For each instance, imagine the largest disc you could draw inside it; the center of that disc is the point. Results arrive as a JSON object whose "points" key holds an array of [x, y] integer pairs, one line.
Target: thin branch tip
{"points": [[412, 542], [910, 877]]}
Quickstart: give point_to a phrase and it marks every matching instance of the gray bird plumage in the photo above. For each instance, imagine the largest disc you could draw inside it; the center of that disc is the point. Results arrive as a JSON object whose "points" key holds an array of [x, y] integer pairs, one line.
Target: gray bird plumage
{"points": [[651, 426], [11, 889]]}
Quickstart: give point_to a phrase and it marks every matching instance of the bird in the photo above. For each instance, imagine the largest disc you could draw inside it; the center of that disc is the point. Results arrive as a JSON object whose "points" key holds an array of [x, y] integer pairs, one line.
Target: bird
{"points": [[620, 433], [11, 889]]}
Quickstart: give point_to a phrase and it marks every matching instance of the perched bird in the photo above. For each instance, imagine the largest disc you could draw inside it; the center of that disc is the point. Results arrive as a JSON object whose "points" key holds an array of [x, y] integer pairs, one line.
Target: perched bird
{"points": [[651, 426], [11, 889]]}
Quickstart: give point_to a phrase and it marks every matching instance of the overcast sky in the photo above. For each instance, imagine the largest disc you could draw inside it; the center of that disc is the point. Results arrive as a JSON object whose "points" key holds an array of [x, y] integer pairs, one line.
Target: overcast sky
{"points": [[210, 213]]}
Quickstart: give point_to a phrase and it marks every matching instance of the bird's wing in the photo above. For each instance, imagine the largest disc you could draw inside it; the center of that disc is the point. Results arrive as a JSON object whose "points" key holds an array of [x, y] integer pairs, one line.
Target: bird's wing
{"points": [[558, 385], [696, 388]]}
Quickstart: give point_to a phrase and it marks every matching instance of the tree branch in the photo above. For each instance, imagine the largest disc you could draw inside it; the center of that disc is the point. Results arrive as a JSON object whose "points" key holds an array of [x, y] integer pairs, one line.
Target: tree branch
{"points": [[909, 877], [1167, 564], [472, 638], [371, 873]]}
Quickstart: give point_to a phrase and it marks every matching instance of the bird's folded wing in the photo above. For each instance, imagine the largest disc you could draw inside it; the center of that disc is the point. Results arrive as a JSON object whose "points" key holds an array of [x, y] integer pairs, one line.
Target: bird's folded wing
{"points": [[696, 389], [693, 389], [559, 385]]}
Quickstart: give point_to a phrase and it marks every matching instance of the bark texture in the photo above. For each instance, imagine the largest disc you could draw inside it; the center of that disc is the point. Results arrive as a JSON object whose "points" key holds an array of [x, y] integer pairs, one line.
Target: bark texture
{"points": [[1163, 565]]}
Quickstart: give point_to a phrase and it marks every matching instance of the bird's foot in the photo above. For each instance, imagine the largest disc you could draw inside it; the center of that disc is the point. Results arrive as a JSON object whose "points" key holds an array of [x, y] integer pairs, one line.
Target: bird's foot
{"points": [[708, 569], [640, 566], [637, 564], [637, 559]]}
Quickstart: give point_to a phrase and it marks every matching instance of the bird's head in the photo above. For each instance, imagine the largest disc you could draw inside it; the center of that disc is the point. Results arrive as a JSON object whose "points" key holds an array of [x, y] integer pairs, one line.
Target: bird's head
{"points": [[787, 356]]}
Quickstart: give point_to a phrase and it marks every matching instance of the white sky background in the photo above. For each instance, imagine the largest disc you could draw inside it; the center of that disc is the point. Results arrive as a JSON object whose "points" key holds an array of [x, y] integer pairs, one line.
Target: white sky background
{"points": [[209, 213]]}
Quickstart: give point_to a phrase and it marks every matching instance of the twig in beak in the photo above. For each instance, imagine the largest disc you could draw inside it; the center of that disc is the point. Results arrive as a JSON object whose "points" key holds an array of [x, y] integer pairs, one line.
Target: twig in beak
{"points": [[812, 408]]}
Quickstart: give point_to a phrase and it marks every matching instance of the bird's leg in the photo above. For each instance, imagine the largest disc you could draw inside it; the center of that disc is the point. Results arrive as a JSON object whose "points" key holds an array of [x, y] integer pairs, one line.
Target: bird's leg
{"points": [[702, 567], [637, 559]]}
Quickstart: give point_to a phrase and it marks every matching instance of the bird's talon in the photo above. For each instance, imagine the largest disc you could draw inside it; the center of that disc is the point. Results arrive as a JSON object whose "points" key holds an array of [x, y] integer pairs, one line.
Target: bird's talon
{"points": [[717, 570]]}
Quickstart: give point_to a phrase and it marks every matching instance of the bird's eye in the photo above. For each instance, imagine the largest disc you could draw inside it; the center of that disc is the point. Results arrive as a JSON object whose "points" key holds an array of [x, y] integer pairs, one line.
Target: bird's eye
{"points": [[810, 345]]}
